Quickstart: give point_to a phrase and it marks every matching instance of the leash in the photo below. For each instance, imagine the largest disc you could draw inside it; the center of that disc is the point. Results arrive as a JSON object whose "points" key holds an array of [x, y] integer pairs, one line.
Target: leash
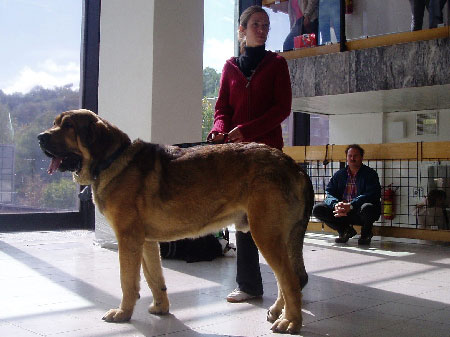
{"points": [[208, 142]]}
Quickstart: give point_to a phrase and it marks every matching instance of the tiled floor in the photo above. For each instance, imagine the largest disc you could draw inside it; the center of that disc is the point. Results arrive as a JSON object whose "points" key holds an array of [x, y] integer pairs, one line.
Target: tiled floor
{"points": [[60, 284]]}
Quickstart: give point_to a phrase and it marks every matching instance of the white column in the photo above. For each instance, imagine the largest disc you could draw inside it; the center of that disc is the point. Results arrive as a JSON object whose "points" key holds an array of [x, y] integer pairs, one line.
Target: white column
{"points": [[150, 80]]}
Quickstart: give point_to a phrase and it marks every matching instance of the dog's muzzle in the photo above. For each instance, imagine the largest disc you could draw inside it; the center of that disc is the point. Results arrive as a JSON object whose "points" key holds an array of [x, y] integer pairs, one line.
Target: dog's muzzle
{"points": [[63, 162], [44, 139]]}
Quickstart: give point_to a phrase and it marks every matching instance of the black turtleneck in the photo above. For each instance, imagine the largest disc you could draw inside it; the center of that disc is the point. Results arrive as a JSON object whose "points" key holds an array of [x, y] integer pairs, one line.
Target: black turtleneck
{"points": [[249, 60]]}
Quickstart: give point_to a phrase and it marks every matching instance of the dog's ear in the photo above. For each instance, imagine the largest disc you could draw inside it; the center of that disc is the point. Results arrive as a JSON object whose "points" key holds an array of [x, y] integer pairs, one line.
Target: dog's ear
{"points": [[90, 130]]}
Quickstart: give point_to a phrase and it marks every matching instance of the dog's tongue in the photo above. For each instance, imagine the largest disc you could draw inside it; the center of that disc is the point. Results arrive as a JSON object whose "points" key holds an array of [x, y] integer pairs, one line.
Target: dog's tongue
{"points": [[54, 164]]}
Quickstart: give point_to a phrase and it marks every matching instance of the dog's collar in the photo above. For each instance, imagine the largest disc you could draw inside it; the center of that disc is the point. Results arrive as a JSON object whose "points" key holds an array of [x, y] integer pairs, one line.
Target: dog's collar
{"points": [[108, 161]]}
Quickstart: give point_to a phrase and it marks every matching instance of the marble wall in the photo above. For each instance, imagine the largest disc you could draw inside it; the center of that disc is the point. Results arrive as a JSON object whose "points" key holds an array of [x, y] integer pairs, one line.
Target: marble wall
{"points": [[415, 64]]}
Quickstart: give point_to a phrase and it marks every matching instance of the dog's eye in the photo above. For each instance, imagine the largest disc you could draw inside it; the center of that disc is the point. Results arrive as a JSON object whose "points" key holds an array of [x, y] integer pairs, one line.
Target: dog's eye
{"points": [[67, 125]]}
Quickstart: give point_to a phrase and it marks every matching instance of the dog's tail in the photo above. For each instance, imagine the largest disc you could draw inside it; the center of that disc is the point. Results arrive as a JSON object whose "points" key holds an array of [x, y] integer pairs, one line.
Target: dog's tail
{"points": [[297, 234]]}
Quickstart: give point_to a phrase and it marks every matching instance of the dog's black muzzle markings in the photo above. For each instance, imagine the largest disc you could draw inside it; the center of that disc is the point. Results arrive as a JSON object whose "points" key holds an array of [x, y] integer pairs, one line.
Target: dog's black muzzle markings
{"points": [[59, 161]]}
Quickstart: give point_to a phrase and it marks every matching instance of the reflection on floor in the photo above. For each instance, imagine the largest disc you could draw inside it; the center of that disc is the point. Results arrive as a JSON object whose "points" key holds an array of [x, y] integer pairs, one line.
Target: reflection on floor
{"points": [[60, 284]]}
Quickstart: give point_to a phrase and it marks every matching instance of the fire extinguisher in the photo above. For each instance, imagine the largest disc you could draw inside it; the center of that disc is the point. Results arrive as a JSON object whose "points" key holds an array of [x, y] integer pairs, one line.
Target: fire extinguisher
{"points": [[348, 6], [388, 203]]}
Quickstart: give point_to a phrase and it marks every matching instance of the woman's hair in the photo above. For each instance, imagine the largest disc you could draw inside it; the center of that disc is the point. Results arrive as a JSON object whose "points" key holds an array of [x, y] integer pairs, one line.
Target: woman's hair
{"points": [[243, 21]]}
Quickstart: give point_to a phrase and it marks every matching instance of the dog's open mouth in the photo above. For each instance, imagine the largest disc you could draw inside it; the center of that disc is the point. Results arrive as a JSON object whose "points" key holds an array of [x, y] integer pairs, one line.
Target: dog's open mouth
{"points": [[67, 162]]}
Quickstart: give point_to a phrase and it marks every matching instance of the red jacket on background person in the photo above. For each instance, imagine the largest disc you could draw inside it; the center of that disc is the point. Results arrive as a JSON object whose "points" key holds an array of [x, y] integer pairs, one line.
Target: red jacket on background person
{"points": [[258, 105]]}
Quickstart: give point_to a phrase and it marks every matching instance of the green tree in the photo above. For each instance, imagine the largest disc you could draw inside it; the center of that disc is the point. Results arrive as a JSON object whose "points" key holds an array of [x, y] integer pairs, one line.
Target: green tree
{"points": [[61, 194], [32, 113], [207, 116], [211, 82]]}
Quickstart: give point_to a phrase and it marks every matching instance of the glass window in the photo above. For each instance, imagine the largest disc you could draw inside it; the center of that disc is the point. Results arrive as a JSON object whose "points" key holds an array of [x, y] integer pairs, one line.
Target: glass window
{"points": [[319, 129], [39, 78]]}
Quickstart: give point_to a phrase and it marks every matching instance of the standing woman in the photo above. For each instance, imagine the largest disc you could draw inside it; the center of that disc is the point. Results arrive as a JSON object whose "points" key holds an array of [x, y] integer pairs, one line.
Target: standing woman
{"points": [[254, 98]]}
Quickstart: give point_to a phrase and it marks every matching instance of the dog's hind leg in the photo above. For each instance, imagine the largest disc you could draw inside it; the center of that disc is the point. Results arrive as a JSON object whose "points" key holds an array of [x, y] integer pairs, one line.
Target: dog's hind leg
{"points": [[151, 264], [130, 256]]}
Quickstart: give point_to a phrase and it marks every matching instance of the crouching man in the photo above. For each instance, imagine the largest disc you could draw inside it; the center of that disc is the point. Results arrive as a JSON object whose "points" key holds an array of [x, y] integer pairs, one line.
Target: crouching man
{"points": [[352, 198]]}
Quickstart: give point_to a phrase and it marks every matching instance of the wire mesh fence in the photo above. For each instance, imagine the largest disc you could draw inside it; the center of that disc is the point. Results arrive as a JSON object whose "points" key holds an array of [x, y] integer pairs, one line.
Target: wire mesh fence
{"points": [[415, 180]]}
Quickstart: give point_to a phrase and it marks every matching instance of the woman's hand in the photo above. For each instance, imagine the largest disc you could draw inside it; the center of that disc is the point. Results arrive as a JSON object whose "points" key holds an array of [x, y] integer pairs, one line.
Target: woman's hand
{"points": [[235, 135], [217, 138]]}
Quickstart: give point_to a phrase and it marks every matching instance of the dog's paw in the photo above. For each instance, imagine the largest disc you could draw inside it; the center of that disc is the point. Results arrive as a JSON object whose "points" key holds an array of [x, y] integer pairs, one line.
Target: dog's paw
{"points": [[283, 325], [159, 308], [272, 316], [117, 315]]}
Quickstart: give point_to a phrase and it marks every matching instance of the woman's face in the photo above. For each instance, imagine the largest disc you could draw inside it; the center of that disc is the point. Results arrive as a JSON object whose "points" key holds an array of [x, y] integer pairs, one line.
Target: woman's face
{"points": [[257, 29]]}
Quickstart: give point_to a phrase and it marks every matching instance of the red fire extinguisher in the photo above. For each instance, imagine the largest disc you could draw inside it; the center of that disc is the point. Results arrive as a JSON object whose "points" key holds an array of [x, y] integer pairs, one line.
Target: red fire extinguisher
{"points": [[348, 6], [388, 203]]}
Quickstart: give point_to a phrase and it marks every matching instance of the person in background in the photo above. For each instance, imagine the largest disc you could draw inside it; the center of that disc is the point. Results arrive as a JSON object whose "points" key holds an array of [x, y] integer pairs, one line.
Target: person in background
{"points": [[310, 9], [296, 22], [329, 15], [417, 12], [352, 197], [431, 212], [254, 98], [303, 17], [436, 16]]}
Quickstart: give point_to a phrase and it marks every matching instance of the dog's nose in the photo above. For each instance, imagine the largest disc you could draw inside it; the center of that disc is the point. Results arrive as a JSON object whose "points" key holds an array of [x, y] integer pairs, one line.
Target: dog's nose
{"points": [[43, 138]]}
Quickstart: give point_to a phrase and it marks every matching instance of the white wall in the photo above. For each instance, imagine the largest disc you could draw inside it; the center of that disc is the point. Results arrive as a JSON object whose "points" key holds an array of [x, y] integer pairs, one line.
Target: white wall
{"points": [[150, 80], [374, 128], [409, 120], [356, 128], [178, 72]]}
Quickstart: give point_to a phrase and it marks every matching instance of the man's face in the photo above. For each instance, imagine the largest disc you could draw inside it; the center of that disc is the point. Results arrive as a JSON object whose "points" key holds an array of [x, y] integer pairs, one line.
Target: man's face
{"points": [[354, 159]]}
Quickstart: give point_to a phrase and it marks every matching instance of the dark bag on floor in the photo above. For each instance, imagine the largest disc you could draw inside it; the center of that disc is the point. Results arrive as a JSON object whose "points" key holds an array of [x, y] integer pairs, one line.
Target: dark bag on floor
{"points": [[205, 248]]}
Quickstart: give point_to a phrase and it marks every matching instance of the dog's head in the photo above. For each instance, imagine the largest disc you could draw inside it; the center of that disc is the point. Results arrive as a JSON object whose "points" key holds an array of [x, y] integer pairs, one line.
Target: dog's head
{"points": [[79, 141]]}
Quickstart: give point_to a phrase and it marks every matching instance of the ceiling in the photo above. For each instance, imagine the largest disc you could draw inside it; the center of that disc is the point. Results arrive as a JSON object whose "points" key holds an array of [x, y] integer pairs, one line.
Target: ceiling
{"points": [[406, 99]]}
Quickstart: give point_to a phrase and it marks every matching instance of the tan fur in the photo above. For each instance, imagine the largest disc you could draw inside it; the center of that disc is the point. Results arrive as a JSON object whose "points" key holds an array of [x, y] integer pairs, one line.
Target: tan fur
{"points": [[153, 193]]}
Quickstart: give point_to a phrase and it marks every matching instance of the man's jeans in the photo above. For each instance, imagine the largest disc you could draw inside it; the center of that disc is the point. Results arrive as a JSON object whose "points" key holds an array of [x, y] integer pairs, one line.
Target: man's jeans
{"points": [[364, 216]]}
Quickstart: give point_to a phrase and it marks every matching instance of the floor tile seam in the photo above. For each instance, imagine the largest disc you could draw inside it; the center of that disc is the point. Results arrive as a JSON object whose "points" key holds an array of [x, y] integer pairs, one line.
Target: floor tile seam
{"points": [[25, 329], [257, 335], [420, 317], [415, 320], [246, 318], [400, 319], [193, 326], [200, 330], [399, 301], [349, 313], [173, 332], [405, 317], [337, 297]]}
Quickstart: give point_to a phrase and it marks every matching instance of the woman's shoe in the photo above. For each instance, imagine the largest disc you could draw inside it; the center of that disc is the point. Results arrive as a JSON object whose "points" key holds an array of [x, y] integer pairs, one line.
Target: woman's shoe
{"points": [[238, 295]]}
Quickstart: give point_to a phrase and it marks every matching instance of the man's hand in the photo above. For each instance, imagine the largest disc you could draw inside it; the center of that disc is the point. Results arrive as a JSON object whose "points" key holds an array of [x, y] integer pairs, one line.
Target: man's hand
{"points": [[341, 209]]}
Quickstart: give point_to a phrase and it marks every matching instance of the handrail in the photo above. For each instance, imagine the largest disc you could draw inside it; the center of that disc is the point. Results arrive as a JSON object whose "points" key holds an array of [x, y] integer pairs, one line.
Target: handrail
{"points": [[390, 151]]}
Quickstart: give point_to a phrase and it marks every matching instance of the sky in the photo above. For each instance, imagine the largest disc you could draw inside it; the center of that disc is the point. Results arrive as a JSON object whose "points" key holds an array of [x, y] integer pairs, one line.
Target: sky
{"points": [[41, 41]]}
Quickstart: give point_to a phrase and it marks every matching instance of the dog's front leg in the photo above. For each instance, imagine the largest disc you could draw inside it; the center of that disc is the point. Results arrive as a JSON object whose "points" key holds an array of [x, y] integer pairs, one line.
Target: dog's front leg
{"points": [[130, 256], [151, 264]]}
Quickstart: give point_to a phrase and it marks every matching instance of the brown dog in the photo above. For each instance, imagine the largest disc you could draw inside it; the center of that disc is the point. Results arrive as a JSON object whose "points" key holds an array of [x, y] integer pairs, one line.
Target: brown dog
{"points": [[151, 193]]}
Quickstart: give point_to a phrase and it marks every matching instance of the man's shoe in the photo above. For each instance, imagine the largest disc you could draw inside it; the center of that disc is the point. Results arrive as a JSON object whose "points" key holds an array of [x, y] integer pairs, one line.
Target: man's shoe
{"points": [[347, 234], [364, 240], [238, 295]]}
